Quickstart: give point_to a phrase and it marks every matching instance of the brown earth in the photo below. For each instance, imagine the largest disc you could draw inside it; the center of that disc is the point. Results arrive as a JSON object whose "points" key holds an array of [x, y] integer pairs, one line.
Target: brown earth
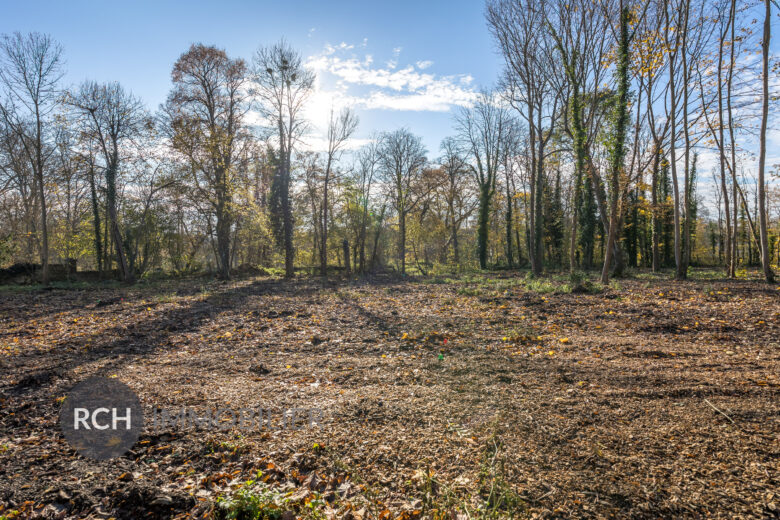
{"points": [[477, 397]]}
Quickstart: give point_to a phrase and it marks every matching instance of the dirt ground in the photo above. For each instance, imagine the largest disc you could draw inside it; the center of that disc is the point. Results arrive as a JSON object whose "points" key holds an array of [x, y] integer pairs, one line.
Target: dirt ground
{"points": [[482, 396]]}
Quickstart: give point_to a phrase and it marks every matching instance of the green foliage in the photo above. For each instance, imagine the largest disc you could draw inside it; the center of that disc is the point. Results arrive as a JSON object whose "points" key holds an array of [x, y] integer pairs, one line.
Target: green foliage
{"points": [[499, 499], [588, 223], [276, 195], [469, 291], [553, 221], [6, 248], [544, 286], [251, 502]]}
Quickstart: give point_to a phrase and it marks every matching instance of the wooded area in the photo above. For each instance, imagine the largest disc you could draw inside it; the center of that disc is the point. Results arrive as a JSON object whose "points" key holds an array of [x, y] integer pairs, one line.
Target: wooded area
{"points": [[586, 155], [567, 310]]}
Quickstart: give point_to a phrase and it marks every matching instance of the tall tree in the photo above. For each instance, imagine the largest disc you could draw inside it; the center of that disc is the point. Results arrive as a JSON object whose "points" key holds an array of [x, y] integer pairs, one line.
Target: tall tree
{"points": [[527, 83], [402, 159], [762, 211], [581, 39], [457, 191], [651, 65], [673, 51], [88, 161], [114, 118], [483, 129], [205, 121], [510, 151], [340, 129], [732, 262], [30, 71], [617, 145], [283, 85], [729, 20], [364, 176]]}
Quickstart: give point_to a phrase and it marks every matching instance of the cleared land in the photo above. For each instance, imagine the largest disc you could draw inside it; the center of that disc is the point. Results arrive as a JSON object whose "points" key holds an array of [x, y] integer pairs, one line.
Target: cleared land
{"points": [[468, 397]]}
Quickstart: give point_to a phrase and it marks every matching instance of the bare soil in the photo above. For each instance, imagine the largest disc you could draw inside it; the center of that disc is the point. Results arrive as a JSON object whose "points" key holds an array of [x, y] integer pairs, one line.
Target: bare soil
{"points": [[444, 398]]}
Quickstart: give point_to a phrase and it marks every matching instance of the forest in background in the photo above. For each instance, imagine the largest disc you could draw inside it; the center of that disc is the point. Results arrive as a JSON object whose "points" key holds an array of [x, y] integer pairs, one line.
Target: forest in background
{"points": [[620, 135]]}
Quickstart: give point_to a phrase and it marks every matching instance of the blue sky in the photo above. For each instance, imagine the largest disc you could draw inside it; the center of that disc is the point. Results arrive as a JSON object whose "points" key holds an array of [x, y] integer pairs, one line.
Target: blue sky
{"points": [[401, 63]]}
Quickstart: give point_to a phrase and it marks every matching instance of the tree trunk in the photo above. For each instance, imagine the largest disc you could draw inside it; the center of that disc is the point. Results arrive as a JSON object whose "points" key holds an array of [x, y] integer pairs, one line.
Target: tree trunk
{"points": [[532, 216], [223, 240], [124, 268], [375, 250], [347, 268], [96, 220], [682, 273], [768, 274], [454, 234], [618, 152], [676, 188], [42, 195], [324, 241], [579, 153], [482, 225], [538, 267], [287, 219], [732, 253], [722, 154], [656, 223], [402, 240], [609, 246]]}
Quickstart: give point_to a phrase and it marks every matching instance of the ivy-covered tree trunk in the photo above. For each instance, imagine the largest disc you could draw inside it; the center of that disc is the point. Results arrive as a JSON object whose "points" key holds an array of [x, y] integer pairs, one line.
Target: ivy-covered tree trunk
{"points": [[655, 220], [96, 220], [124, 267], [223, 227], [453, 232], [617, 150], [588, 223], [482, 225], [579, 166], [538, 264], [509, 222], [402, 239]]}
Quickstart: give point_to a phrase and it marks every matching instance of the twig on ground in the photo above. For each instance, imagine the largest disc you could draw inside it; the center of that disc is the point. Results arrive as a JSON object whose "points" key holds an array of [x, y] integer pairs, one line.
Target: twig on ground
{"points": [[720, 412]]}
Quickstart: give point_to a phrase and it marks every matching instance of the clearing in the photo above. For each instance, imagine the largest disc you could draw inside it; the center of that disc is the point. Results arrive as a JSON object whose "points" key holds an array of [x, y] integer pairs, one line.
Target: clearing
{"points": [[479, 396]]}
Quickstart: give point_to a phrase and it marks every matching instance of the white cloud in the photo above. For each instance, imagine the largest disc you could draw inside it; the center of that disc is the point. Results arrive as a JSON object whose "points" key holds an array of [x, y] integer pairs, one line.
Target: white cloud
{"points": [[347, 76], [393, 63], [319, 143], [433, 98], [331, 49], [391, 88]]}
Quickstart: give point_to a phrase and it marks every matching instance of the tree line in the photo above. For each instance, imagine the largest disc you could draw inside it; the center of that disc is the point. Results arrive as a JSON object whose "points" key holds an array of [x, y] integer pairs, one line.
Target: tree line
{"points": [[587, 153]]}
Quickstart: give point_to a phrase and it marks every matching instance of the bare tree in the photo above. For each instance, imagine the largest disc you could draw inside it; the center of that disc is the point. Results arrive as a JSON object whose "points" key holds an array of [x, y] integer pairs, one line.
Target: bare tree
{"points": [[527, 84], [402, 159], [283, 85], [115, 119], [483, 130], [732, 253], [364, 176], [762, 212], [458, 191], [340, 129], [30, 71]]}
